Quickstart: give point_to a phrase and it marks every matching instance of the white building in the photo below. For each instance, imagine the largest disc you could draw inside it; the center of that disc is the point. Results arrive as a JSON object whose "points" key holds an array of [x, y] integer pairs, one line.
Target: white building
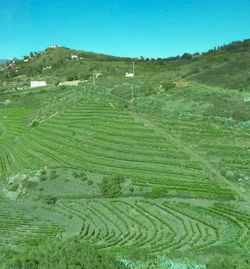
{"points": [[34, 84], [53, 47], [74, 57], [129, 75]]}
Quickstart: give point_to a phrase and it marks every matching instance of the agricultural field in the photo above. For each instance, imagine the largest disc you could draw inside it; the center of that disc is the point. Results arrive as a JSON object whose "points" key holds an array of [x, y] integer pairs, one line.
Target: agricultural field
{"points": [[98, 164]]}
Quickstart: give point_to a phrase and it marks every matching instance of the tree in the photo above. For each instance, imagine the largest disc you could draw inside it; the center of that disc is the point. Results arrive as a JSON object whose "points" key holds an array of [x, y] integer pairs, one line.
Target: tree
{"points": [[111, 186]]}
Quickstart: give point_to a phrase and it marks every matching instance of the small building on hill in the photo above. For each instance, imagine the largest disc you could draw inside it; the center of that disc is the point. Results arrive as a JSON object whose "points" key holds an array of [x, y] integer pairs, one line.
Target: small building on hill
{"points": [[74, 57], [35, 84], [129, 75]]}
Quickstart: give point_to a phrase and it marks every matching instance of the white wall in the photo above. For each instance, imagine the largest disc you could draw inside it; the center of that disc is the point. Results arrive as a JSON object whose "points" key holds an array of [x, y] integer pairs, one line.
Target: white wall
{"points": [[129, 75], [34, 84]]}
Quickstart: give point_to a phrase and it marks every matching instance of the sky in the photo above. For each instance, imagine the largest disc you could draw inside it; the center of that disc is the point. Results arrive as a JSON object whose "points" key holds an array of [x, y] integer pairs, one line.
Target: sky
{"points": [[149, 28]]}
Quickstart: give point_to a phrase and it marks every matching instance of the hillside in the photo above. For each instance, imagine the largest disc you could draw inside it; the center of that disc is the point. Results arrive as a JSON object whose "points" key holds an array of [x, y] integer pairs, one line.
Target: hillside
{"points": [[3, 61], [127, 173], [226, 66]]}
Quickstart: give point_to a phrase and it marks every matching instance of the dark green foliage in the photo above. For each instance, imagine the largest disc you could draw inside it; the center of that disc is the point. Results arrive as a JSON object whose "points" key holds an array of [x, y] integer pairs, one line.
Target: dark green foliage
{"points": [[34, 124], [111, 186], [53, 174], [43, 175], [186, 56], [57, 254], [90, 182], [167, 85], [81, 175], [51, 200], [158, 192], [131, 189]]}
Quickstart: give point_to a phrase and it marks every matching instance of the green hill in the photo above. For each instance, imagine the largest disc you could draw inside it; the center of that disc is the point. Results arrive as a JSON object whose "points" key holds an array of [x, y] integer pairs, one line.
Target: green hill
{"points": [[226, 66], [145, 172]]}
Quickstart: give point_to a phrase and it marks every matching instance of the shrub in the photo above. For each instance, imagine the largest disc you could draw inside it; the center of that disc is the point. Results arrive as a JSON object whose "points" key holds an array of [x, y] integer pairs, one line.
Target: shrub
{"points": [[167, 85], [43, 175], [51, 200], [53, 174], [158, 192], [111, 186], [90, 182], [51, 254], [34, 124], [82, 176], [131, 189]]}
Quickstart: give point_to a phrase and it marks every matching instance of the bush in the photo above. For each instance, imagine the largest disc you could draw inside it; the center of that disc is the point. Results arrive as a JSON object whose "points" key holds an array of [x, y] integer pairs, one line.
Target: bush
{"points": [[43, 175], [34, 124], [82, 176], [131, 189], [53, 174], [158, 192], [70, 254], [111, 186], [167, 85], [90, 182], [51, 200]]}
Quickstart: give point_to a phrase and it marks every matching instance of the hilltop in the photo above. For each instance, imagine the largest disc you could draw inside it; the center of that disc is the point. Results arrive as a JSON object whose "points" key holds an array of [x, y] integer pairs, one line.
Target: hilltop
{"points": [[227, 66]]}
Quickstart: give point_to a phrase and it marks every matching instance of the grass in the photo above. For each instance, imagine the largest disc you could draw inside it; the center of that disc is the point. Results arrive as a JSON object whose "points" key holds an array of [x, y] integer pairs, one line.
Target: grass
{"points": [[140, 169]]}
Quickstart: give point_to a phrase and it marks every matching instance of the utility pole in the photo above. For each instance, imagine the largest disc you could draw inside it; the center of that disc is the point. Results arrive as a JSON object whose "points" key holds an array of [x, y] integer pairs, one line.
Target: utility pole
{"points": [[132, 92], [93, 76]]}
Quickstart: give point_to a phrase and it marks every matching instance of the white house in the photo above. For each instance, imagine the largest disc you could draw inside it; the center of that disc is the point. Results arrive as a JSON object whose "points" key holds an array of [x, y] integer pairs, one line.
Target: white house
{"points": [[74, 57], [129, 75], [34, 84]]}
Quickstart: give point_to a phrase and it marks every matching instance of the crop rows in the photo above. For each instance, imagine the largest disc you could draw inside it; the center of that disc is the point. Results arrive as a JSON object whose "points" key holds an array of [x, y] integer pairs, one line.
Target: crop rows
{"points": [[96, 137], [155, 226], [227, 149], [16, 225]]}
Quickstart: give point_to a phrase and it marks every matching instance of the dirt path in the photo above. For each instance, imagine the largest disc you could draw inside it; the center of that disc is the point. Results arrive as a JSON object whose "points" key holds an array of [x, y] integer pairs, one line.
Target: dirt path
{"points": [[195, 155]]}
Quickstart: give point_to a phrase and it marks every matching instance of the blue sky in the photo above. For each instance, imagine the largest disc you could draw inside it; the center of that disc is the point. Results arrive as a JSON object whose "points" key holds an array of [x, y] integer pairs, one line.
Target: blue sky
{"points": [[152, 28]]}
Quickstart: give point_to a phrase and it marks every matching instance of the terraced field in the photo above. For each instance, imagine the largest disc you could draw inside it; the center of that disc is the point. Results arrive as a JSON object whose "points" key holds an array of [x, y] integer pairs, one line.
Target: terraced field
{"points": [[18, 226], [180, 200], [157, 226]]}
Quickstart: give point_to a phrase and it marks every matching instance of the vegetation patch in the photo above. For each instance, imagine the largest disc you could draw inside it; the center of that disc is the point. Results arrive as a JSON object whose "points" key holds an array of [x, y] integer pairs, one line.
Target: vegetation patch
{"points": [[111, 186], [71, 253]]}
